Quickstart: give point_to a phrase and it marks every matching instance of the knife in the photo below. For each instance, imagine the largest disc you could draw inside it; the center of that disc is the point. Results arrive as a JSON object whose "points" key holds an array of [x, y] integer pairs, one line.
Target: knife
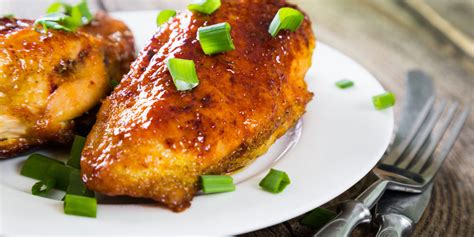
{"points": [[419, 92], [398, 212]]}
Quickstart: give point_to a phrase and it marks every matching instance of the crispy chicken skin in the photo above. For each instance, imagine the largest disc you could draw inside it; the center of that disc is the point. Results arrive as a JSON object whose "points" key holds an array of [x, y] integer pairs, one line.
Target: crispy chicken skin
{"points": [[49, 79], [153, 141]]}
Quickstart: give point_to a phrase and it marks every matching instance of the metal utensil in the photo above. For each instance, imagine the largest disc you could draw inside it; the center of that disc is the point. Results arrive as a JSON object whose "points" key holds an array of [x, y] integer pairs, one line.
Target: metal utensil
{"points": [[397, 212], [396, 171]]}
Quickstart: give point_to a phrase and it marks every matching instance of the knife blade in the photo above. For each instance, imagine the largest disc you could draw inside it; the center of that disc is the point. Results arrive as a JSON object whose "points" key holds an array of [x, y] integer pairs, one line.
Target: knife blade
{"points": [[419, 98], [419, 91], [398, 212]]}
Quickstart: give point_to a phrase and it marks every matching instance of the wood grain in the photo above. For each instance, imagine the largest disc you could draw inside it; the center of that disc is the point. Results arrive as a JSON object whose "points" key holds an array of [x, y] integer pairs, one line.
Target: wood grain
{"points": [[388, 40]]}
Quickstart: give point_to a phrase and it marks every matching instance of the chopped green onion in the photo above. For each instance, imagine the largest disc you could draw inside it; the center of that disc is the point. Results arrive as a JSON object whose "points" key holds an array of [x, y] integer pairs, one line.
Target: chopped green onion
{"points": [[60, 174], [164, 16], [383, 100], [9, 16], [80, 205], [85, 14], [37, 165], [216, 38], [217, 184], [275, 181], [76, 186], [62, 16], [114, 83], [56, 21], [183, 73], [205, 6], [76, 150], [317, 218], [286, 18], [43, 187], [343, 84]]}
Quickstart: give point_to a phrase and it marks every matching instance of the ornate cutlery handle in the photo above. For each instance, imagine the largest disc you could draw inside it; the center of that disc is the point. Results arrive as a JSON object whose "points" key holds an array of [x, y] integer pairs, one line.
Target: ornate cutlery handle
{"points": [[394, 225], [352, 213]]}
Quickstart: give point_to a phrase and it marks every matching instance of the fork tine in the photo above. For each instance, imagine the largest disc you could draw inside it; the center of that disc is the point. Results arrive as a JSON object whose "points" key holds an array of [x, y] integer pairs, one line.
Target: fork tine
{"points": [[433, 140], [397, 151], [437, 159], [422, 135]]}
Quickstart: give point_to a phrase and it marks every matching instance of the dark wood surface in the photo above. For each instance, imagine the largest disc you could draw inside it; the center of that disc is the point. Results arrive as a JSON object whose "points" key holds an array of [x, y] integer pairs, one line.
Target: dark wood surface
{"points": [[388, 39]]}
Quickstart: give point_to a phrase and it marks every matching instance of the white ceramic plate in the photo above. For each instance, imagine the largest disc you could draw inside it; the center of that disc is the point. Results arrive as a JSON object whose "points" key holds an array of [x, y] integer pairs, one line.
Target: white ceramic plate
{"points": [[342, 138]]}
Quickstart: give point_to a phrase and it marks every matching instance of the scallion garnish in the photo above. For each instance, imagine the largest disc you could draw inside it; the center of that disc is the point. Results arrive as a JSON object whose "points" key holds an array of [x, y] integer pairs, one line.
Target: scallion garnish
{"points": [[76, 150], [9, 16], [37, 165], [76, 186], [217, 184], [317, 218], [114, 83], [383, 100], [60, 174], [205, 6], [183, 73], [55, 21], [275, 181], [343, 84], [216, 38], [43, 187], [62, 16], [286, 18], [80, 205], [164, 16]]}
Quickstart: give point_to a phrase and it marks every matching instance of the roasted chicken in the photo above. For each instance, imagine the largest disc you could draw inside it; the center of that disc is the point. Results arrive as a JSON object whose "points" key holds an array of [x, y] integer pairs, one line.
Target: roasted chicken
{"points": [[47, 79], [153, 141]]}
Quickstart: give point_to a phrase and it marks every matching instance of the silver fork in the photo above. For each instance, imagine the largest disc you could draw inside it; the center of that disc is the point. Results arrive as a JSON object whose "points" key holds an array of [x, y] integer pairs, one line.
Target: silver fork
{"points": [[410, 167]]}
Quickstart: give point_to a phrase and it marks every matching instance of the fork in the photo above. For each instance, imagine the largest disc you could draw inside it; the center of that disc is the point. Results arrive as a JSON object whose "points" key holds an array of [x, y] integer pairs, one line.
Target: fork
{"points": [[409, 167]]}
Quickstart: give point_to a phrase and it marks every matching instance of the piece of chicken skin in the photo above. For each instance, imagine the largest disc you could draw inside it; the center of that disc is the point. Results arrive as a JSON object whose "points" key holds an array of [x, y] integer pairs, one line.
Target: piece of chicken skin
{"points": [[47, 79], [153, 141]]}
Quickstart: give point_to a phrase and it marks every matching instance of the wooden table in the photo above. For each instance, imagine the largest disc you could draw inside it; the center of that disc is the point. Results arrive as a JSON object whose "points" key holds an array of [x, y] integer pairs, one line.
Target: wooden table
{"points": [[387, 39]]}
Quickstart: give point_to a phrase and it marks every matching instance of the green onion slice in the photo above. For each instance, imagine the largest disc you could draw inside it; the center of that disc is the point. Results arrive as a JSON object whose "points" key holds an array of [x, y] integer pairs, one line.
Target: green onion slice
{"points": [[80, 205], [384, 100], [216, 38], [217, 184], [183, 73], [114, 83], [62, 16], [9, 16], [86, 15], [43, 187], [286, 18], [164, 16], [60, 174], [56, 21], [317, 218], [37, 165], [275, 181], [343, 84], [76, 150], [76, 186], [205, 6]]}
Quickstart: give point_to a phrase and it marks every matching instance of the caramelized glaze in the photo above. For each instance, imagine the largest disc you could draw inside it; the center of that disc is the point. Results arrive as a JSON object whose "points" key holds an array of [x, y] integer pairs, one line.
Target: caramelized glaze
{"points": [[153, 141], [47, 79]]}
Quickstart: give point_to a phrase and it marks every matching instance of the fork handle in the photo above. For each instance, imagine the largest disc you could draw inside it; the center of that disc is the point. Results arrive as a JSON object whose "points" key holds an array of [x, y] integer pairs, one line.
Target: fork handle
{"points": [[352, 213], [394, 225]]}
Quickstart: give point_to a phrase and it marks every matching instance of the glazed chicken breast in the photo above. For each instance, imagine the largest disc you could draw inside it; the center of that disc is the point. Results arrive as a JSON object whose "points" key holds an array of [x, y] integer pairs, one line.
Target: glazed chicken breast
{"points": [[153, 141], [47, 79]]}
